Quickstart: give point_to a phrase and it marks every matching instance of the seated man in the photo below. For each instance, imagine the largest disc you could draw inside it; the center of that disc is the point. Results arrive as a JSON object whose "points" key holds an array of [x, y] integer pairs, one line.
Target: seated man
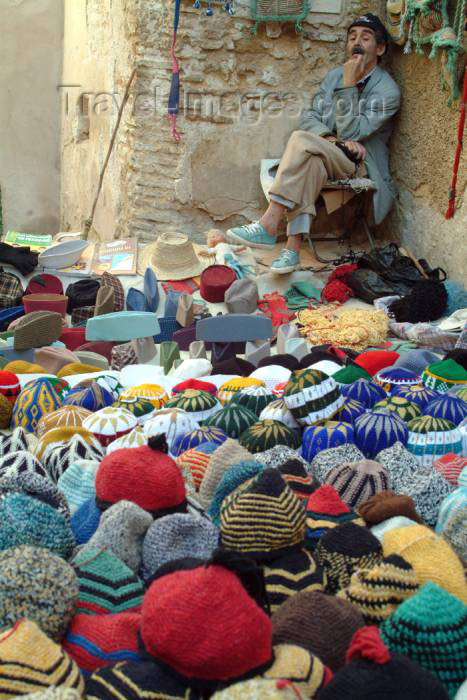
{"points": [[350, 121]]}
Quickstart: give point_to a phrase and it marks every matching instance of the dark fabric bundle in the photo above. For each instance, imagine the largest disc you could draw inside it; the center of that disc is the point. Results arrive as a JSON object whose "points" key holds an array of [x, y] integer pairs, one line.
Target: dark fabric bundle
{"points": [[427, 301]]}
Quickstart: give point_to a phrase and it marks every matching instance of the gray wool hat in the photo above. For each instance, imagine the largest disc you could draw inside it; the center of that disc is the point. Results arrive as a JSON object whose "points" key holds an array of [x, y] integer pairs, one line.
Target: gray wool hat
{"points": [[416, 360], [37, 486], [333, 457], [356, 482], [177, 536], [122, 528], [279, 455], [455, 532], [242, 296]]}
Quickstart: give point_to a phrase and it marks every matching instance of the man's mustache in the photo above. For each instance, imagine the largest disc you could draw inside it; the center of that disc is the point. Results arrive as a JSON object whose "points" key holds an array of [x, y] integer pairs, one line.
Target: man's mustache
{"points": [[357, 50]]}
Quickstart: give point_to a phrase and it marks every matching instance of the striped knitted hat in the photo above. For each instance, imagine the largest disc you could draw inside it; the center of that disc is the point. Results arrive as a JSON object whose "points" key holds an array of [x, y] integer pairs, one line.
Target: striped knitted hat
{"points": [[455, 532], [17, 440], [196, 460], [430, 556], [460, 391], [85, 521], [177, 536], [36, 400], [294, 663], [10, 386], [57, 437], [140, 408], [376, 430], [197, 437], [290, 574], [448, 407], [200, 404], [254, 398], [377, 592], [39, 585], [392, 377], [356, 482], [92, 398], [264, 434], [363, 390], [61, 457], [441, 376], [52, 667], [312, 396], [332, 457], [450, 466], [430, 628], [430, 438], [94, 641], [326, 510], [401, 406], [452, 503], [265, 521], [322, 437], [277, 410], [194, 384], [63, 417], [385, 505], [54, 694], [39, 487], [135, 681], [346, 549], [135, 438], [260, 689], [302, 483], [351, 409], [417, 393], [110, 423], [233, 419], [153, 393], [25, 520], [230, 452], [21, 462], [320, 623], [106, 584], [233, 478], [229, 388]]}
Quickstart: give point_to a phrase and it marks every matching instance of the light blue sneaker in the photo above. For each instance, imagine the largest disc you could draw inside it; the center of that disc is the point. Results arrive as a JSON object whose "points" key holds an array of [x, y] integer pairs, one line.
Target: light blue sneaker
{"points": [[253, 235], [288, 261]]}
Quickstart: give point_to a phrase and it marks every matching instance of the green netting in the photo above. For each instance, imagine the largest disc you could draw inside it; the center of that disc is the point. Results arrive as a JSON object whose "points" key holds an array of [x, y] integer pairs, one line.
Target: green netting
{"points": [[279, 11]]}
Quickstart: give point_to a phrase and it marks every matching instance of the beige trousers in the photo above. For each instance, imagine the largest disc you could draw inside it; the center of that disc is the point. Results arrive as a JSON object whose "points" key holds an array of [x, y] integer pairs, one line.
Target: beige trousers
{"points": [[308, 162]]}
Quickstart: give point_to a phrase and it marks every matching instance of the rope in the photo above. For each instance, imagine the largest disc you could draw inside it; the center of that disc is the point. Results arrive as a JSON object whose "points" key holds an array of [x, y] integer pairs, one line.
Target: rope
{"points": [[174, 95], [455, 168]]}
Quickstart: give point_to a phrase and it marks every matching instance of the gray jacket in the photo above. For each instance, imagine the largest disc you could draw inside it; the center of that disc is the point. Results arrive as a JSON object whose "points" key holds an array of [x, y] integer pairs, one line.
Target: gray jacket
{"points": [[366, 118]]}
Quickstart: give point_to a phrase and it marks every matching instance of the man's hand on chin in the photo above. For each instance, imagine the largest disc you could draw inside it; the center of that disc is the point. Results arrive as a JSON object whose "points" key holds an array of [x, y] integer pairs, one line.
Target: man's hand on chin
{"points": [[353, 70], [356, 148]]}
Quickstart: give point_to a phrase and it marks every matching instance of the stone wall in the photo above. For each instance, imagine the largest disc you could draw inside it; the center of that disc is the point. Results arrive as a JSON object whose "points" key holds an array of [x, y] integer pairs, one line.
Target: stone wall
{"points": [[30, 69]]}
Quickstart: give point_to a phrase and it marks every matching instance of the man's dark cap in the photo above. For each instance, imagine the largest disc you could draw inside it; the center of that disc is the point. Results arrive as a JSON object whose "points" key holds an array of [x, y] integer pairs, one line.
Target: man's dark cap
{"points": [[372, 22]]}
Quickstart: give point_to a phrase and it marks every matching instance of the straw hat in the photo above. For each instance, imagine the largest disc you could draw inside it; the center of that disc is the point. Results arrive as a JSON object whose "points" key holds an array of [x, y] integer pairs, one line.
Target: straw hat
{"points": [[172, 257]]}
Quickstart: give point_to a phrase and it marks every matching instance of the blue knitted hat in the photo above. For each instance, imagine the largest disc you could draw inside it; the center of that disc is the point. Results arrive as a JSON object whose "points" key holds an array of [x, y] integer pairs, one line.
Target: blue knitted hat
{"points": [[350, 410], [232, 478], [36, 400], [390, 377], [430, 438], [85, 521], [93, 397], [364, 391], [457, 500], [198, 437], [376, 430], [78, 482], [322, 437], [417, 393], [25, 520], [449, 407]]}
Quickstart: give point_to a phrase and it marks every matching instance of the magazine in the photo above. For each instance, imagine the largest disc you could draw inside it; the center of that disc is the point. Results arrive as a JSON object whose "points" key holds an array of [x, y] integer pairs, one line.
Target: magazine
{"points": [[116, 257], [38, 242]]}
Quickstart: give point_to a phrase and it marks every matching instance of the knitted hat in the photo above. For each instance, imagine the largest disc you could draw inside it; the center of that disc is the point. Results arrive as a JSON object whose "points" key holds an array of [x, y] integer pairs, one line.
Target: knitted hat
{"points": [[54, 694], [325, 510], [288, 575], [451, 504], [345, 549], [39, 487], [92, 398], [278, 411], [135, 438], [61, 457], [110, 423], [321, 437], [312, 396], [441, 376], [227, 390], [375, 360], [364, 391], [350, 374], [23, 367], [260, 689], [144, 475], [417, 393], [236, 638], [254, 398], [392, 377], [302, 483], [6, 410], [77, 368], [459, 391], [451, 466], [430, 438], [266, 433], [39, 585], [455, 532], [25, 644], [264, 521], [66, 417], [293, 663], [93, 641], [17, 440], [351, 409], [431, 557], [416, 360], [53, 359], [78, 482], [320, 623], [57, 437], [35, 400], [230, 452], [394, 523], [171, 422], [376, 430], [140, 408], [387, 504], [233, 419], [10, 386], [175, 537], [401, 406], [106, 584], [196, 461], [198, 437], [377, 592], [333, 457], [272, 374], [135, 681], [25, 520], [21, 462], [430, 628], [85, 521], [279, 455], [447, 407], [121, 529], [355, 482], [372, 672], [200, 404], [233, 478]]}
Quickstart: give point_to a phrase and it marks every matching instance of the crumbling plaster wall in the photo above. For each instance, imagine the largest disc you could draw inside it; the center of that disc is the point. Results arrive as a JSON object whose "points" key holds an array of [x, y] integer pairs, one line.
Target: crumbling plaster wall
{"points": [[30, 68]]}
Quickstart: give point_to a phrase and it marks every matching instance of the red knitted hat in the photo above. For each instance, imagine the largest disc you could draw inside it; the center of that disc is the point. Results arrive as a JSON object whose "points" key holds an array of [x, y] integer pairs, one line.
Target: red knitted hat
{"points": [[204, 626], [215, 281], [374, 361], [195, 384], [143, 475], [327, 501], [450, 466], [9, 385]]}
